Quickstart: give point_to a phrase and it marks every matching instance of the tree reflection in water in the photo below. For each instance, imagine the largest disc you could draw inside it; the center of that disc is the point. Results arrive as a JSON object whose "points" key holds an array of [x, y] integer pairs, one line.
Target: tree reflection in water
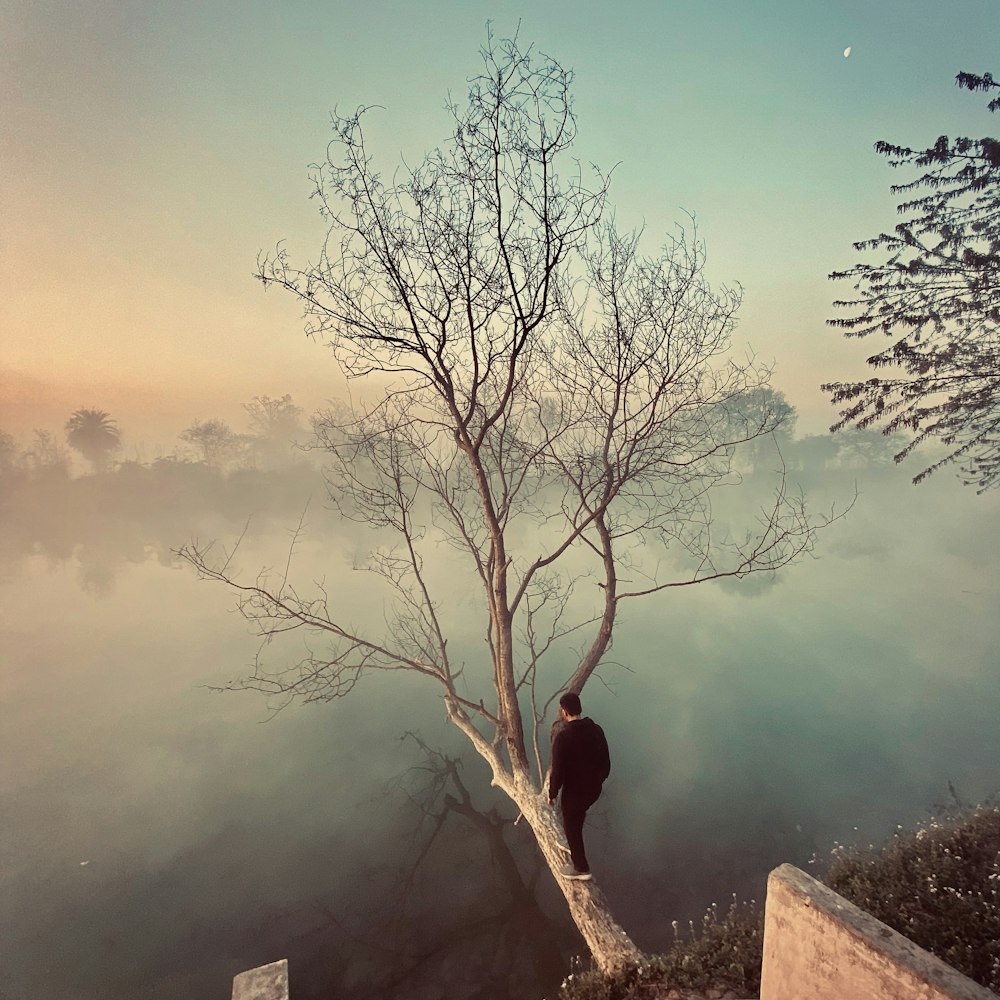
{"points": [[460, 913]]}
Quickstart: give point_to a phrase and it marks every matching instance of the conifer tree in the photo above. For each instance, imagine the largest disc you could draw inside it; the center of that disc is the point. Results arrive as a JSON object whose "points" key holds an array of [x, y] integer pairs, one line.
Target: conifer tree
{"points": [[936, 294]]}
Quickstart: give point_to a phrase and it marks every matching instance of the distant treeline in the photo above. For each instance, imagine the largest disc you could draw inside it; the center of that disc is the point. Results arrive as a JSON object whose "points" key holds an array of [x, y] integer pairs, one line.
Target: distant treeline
{"points": [[274, 429], [128, 511]]}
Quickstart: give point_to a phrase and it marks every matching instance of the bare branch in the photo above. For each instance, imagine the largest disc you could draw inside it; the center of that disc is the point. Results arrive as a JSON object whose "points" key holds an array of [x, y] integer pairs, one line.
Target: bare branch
{"points": [[554, 410]]}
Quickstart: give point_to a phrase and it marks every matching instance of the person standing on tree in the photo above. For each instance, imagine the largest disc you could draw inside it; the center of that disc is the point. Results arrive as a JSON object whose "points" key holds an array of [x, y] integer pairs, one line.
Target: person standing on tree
{"points": [[581, 764]]}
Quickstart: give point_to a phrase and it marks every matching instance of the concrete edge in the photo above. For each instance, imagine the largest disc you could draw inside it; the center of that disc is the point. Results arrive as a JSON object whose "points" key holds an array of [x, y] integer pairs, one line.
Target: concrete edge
{"points": [[266, 982], [877, 936]]}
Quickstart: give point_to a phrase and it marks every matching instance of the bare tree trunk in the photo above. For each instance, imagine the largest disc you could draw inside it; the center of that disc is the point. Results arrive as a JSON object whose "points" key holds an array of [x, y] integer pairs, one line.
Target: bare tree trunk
{"points": [[610, 946]]}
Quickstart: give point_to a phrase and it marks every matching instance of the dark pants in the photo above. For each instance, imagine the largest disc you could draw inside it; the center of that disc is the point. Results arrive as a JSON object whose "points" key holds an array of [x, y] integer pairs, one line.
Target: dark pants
{"points": [[574, 803]]}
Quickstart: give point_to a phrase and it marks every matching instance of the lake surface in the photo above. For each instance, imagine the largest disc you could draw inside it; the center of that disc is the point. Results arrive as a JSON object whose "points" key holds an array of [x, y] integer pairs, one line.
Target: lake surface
{"points": [[160, 837]]}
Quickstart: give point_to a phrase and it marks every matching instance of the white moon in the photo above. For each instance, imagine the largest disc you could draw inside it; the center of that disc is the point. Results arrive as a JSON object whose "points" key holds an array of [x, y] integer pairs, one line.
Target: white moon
{"points": [[847, 51]]}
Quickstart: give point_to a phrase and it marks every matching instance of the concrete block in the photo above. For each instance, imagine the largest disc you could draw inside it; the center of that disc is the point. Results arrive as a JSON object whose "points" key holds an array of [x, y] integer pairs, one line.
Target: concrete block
{"points": [[819, 946], [268, 982]]}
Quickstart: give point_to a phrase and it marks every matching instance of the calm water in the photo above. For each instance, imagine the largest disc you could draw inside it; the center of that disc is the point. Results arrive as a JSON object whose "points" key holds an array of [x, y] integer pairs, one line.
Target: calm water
{"points": [[159, 837]]}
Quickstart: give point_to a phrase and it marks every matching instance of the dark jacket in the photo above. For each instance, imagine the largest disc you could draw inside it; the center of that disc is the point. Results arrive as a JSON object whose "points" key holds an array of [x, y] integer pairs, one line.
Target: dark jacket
{"points": [[580, 758]]}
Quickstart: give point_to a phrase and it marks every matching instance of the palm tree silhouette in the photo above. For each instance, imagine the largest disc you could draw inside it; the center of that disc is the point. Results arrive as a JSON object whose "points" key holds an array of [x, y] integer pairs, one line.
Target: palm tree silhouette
{"points": [[94, 435]]}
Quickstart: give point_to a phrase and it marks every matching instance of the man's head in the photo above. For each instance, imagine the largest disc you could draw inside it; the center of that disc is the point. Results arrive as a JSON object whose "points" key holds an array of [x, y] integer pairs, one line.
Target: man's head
{"points": [[569, 706]]}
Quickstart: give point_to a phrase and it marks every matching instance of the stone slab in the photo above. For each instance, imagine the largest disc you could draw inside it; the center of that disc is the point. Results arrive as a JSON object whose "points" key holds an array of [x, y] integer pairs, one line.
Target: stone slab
{"points": [[267, 982], [819, 946]]}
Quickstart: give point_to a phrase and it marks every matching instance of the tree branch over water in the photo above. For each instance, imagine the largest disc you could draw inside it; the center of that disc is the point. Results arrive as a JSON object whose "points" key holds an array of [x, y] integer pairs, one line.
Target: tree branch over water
{"points": [[553, 409]]}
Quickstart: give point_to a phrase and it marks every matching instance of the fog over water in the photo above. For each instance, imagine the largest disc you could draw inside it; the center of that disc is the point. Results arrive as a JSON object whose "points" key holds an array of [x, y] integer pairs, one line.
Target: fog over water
{"points": [[160, 837]]}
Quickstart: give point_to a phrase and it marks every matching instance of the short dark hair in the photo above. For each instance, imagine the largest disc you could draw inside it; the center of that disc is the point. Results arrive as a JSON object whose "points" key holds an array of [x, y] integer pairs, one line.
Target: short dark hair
{"points": [[571, 702]]}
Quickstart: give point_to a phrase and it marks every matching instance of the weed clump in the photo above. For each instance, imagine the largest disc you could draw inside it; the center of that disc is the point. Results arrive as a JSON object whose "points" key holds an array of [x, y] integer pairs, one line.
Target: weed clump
{"points": [[718, 959], [938, 885]]}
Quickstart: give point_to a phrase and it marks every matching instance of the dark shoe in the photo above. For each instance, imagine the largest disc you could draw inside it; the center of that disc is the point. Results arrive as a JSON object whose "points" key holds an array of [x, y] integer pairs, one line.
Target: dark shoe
{"points": [[568, 871]]}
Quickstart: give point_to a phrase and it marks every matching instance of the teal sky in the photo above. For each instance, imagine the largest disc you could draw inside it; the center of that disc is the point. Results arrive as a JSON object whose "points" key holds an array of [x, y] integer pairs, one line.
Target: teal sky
{"points": [[149, 151]]}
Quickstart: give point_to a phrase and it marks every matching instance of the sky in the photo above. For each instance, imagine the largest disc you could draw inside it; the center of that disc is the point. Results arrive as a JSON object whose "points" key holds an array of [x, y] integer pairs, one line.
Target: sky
{"points": [[150, 151]]}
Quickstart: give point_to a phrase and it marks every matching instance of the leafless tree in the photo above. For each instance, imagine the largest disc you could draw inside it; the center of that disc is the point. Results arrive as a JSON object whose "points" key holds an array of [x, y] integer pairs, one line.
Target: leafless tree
{"points": [[274, 418], [275, 424], [216, 444], [551, 411]]}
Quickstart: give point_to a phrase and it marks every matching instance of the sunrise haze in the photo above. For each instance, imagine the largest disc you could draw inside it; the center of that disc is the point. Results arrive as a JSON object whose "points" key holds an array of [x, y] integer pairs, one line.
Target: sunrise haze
{"points": [[150, 153]]}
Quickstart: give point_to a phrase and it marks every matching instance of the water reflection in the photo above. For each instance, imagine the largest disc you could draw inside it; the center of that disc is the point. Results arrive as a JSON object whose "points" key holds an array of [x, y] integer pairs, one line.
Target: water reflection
{"points": [[459, 908], [214, 843], [755, 726]]}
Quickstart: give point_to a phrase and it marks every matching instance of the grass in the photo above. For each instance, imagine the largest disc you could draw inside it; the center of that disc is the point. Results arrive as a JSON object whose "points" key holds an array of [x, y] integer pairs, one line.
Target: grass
{"points": [[938, 884], [720, 957]]}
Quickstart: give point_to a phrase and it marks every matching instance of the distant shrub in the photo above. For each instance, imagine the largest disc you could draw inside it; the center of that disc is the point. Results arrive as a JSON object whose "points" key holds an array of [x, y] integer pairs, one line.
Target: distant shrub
{"points": [[938, 885]]}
